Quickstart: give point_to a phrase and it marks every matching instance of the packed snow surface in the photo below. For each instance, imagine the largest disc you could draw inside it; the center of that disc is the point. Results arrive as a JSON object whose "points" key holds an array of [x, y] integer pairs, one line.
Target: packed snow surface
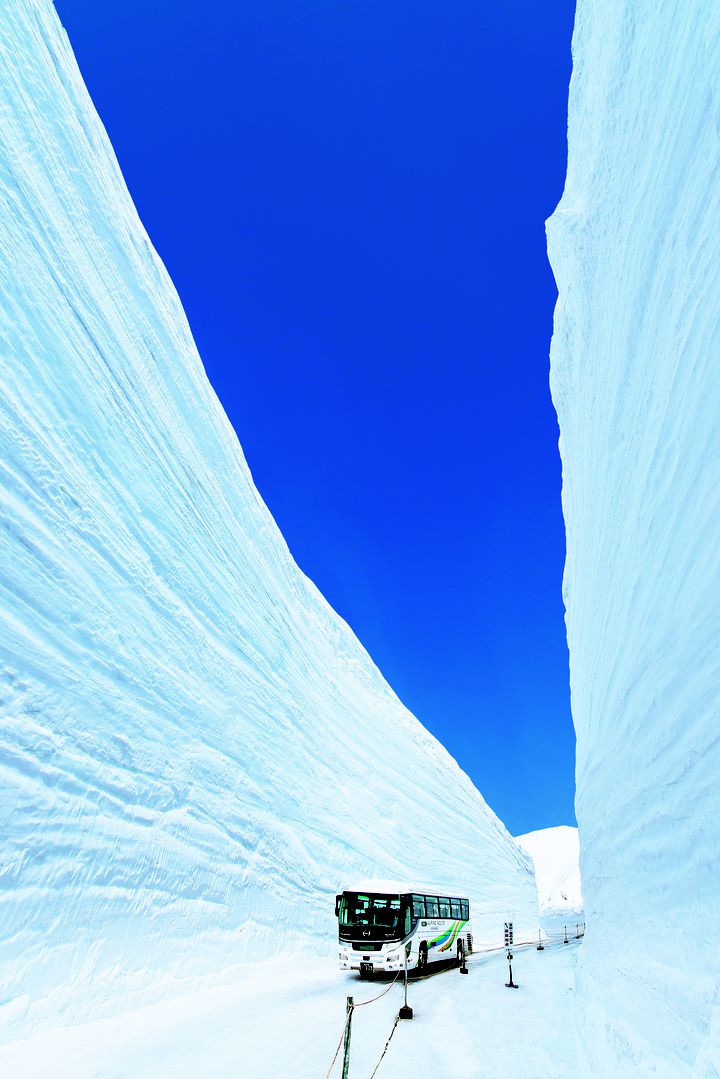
{"points": [[556, 856], [635, 246], [197, 753], [286, 1023]]}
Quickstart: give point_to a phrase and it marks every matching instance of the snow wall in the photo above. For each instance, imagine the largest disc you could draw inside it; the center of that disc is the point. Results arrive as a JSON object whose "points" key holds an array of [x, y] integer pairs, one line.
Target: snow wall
{"points": [[635, 246], [196, 750]]}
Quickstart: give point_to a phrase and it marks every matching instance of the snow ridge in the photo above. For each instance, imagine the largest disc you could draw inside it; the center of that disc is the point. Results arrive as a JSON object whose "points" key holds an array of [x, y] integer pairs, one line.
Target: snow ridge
{"points": [[635, 247], [196, 750], [556, 856]]}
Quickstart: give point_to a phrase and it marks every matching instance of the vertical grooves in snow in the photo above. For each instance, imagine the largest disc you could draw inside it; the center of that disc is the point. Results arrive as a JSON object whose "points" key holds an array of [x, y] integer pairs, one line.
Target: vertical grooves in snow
{"points": [[635, 246]]}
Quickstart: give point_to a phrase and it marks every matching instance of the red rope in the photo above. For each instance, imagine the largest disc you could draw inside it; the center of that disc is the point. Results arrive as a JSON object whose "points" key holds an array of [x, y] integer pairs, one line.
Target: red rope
{"points": [[373, 999]]}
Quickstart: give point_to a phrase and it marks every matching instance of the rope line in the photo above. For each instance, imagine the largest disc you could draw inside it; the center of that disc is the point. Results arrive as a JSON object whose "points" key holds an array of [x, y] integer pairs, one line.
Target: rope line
{"points": [[387, 1043], [347, 1020], [549, 940], [373, 999]]}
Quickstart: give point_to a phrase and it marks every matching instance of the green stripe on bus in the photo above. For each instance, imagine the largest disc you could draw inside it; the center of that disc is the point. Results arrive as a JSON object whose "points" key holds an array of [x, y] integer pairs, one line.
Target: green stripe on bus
{"points": [[448, 937]]}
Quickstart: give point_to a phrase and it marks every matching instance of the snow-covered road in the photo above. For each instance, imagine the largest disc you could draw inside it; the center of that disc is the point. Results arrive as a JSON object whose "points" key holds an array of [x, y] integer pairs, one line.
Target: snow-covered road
{"points": [[287, 1024]]}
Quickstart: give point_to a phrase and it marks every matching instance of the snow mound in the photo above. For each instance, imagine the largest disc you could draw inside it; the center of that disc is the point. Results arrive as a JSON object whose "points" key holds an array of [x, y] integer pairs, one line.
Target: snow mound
{"points": [[196, 750], [556, 856], [635, 246]]}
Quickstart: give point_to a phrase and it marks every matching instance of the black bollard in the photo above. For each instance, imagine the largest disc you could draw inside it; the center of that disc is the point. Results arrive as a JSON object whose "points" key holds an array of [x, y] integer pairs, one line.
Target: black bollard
{"points": [[541, 946], [406, 1011], [511, 984], [566, 941]]}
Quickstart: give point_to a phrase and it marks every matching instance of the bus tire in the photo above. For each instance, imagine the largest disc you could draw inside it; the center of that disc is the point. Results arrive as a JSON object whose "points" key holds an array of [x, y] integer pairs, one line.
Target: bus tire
{"points": [[460, 952], [422, 963]]}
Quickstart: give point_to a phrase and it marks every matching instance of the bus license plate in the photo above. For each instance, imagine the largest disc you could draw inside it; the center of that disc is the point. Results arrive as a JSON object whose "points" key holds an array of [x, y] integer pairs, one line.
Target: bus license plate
{"points": [[366, 968]]}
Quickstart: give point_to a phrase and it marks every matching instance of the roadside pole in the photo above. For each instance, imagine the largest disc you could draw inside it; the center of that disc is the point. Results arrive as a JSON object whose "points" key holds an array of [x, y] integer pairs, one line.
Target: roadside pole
{"points": [[508, 947], [346, 1045]]}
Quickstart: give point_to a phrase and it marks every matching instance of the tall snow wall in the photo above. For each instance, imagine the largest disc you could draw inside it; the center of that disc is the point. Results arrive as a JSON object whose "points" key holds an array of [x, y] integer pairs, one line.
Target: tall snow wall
{"points": [[635, 372], [196, 750]]}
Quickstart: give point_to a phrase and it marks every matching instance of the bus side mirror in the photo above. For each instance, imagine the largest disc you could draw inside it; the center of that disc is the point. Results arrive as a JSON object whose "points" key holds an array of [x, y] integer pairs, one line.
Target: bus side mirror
{"points": [[337, 904]]}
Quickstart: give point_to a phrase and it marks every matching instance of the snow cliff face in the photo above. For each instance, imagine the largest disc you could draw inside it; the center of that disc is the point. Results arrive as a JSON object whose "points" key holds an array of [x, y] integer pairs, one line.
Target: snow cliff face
{"points": [[556, 856], [196, 750], [635, 246]]}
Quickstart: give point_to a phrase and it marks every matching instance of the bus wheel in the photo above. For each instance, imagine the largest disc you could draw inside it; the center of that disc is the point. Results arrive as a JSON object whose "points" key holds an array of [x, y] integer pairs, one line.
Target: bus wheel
{"points": [[460, 953], [422, 962]]}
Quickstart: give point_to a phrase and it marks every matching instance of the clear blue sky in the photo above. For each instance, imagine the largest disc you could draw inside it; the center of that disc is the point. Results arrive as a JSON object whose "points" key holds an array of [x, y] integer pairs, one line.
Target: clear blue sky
{"points": [[350, 197]]}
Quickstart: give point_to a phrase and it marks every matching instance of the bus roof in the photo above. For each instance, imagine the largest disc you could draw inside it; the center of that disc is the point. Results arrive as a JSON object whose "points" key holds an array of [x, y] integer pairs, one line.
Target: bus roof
{"points": [[398, 887]]}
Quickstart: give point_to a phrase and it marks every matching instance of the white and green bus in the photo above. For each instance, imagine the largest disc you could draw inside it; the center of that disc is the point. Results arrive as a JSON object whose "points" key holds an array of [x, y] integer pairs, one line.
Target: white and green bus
{"points": [[376, 927]]}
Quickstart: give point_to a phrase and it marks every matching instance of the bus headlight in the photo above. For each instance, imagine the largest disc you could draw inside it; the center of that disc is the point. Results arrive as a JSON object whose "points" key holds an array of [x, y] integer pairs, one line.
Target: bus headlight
{"points": [[393, 958]]}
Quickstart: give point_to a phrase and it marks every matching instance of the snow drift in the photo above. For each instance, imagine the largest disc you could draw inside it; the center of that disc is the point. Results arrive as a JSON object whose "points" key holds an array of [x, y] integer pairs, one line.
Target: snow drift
{"points": [[196, 750], [635, 246], [556, 856]]}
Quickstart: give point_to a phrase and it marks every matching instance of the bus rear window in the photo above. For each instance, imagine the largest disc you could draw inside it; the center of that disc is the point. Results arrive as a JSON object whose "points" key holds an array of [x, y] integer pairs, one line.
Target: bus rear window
{"points": [[465, 909]]}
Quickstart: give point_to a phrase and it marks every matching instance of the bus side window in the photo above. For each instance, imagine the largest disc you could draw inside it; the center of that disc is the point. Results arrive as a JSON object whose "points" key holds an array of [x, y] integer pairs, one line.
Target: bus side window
{"points": [[418, 903], [455, 909], [444, 905], [465, 909], [431, 906]]}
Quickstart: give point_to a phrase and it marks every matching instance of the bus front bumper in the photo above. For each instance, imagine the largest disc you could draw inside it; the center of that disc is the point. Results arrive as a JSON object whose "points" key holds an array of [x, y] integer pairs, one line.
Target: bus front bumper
{"points": [[372, 962]]}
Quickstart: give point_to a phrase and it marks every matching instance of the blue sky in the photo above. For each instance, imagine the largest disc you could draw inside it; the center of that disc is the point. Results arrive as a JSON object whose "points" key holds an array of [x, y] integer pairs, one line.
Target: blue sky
{"points": [[350, 197]]}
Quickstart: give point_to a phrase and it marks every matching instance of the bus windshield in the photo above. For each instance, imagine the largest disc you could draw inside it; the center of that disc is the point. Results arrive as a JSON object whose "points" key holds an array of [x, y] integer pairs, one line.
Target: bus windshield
{"points": [[370, 910]]}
